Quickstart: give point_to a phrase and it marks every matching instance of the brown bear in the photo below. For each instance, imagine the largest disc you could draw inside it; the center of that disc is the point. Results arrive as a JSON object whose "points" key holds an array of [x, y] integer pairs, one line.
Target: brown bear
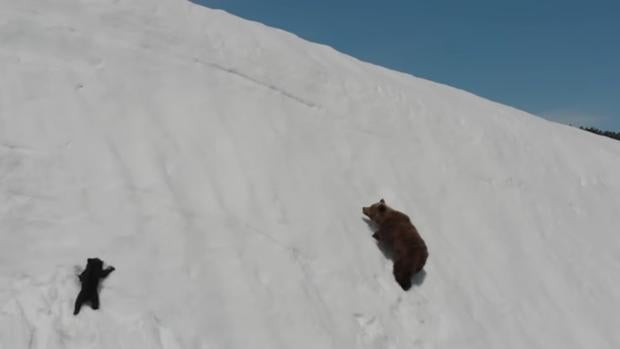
{"points": [[397, 235]]}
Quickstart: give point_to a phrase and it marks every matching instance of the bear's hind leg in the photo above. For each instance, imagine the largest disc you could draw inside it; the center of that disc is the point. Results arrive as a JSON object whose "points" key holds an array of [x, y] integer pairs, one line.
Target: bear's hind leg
{"points": [[94, 301], [78, 303], [403, 274]]}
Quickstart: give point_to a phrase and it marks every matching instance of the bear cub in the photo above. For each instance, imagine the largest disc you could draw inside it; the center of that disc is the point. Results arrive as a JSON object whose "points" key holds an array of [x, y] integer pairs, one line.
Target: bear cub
{"points": [[397, 235], [90, 278]]}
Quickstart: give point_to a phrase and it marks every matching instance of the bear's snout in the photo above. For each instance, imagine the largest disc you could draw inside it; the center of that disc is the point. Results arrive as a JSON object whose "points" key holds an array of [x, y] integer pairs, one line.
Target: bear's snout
{"points": [[365, 211]]}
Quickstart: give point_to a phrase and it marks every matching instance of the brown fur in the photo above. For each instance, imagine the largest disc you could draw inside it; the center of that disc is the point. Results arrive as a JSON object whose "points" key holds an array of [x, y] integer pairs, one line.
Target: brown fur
{"points": [[398, 235]]}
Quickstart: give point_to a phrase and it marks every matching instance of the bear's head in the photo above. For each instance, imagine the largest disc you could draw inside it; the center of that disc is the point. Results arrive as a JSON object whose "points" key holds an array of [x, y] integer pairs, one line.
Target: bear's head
{"points": [[94, 263], [378, 212]]}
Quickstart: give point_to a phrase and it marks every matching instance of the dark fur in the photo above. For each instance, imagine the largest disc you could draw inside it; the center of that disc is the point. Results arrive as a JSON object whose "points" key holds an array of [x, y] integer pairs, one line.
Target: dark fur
{"points": [[397, 235], [90, 278]]}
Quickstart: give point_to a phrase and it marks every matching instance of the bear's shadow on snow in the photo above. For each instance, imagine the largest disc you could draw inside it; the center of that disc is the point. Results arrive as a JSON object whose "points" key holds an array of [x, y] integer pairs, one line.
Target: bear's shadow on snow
{"points": [[417, 279]]}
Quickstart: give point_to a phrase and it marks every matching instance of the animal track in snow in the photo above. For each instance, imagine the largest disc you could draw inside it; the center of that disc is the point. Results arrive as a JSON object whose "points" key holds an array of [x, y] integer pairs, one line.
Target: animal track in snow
{"points": [[373, 332]]}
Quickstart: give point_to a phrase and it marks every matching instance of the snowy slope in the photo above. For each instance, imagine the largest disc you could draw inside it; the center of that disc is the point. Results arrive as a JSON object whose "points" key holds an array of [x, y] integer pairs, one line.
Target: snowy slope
{"points": [[221, 166]]}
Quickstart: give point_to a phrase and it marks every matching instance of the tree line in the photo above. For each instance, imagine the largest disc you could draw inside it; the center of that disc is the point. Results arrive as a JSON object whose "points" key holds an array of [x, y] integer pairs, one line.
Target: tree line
{"points": [[610, 134]]}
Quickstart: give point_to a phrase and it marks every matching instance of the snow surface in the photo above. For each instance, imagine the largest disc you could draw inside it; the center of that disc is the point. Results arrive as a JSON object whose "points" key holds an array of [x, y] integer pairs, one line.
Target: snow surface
{"points": [[221, 166]]}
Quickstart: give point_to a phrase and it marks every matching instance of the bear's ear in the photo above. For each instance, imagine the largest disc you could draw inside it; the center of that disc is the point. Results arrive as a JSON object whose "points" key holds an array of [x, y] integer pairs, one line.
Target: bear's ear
{"points": [[382, 207], [382, 201]]}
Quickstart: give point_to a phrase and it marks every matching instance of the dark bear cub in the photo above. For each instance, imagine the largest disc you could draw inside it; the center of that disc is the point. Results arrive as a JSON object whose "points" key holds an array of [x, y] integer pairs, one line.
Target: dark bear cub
{"points": [[398, 235], [89, 279]]}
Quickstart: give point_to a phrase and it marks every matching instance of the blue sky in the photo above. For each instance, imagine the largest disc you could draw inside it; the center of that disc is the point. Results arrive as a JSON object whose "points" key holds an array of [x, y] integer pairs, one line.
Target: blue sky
{"points": [[555, 58]]}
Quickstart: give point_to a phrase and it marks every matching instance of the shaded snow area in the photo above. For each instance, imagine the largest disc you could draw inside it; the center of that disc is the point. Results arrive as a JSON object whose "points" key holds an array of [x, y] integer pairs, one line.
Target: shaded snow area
{"points": [[221, 167]]}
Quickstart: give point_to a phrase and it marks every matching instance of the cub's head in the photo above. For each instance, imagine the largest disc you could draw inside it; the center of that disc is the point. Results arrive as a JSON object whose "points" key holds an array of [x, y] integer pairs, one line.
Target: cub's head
{"points": [[378, 212], [95, 263]]}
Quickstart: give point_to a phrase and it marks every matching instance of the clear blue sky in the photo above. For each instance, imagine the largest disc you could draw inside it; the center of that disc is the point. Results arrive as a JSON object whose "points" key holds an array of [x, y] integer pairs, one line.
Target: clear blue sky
{"points": [[556, 58]]}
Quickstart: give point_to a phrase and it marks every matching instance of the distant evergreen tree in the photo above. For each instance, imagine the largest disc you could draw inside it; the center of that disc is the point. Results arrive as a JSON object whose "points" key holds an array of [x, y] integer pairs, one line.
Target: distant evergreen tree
{"points": [[610, 134]]}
